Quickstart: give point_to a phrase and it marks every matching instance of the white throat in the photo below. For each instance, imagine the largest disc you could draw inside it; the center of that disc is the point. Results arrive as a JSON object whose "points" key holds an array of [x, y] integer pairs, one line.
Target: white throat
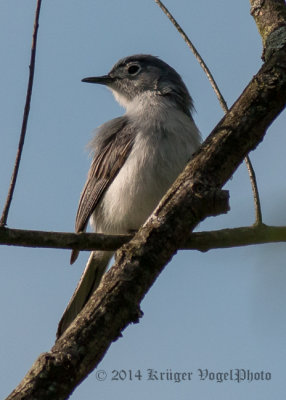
{"points": [[122, 100], [143, 102]]}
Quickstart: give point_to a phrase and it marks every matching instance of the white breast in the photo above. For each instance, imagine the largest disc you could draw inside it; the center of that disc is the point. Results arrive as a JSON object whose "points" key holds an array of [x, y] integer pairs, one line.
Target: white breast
{"points": [[165, 142]]}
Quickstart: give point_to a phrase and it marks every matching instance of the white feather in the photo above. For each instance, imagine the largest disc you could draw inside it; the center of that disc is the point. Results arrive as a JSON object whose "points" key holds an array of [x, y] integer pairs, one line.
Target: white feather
{"points": [[165, 142]]}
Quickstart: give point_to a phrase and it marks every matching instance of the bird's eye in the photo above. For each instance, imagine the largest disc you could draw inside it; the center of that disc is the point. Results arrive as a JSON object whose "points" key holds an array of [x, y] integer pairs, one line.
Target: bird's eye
{"points": [[133, 69]]}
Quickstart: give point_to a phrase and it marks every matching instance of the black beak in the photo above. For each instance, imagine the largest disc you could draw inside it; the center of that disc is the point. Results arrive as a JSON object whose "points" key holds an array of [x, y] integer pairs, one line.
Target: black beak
{"points": [[102, 80]]}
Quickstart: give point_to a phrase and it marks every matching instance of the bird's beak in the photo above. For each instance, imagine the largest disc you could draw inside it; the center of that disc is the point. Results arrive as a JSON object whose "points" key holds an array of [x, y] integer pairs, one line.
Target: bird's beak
{"points": [[102, 80]]}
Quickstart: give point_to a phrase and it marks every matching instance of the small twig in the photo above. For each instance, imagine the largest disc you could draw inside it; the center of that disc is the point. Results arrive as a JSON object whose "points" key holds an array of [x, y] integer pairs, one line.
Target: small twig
{"points": [[196, 54], [257, 204], [4, 216], [222, 102]]}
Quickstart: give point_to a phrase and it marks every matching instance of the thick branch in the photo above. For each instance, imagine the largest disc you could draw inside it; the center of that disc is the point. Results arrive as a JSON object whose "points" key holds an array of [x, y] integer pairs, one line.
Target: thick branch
{"points": [[202, 241], [269, 17]]}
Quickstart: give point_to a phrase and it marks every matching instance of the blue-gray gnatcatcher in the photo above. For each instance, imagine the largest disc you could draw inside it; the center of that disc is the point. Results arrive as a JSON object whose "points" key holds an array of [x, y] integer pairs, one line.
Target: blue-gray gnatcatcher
{"points": [[136, 158]]}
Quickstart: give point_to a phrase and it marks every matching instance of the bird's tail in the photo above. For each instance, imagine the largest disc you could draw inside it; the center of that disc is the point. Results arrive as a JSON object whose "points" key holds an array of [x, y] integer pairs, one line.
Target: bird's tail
{"points": [[90, 279]]}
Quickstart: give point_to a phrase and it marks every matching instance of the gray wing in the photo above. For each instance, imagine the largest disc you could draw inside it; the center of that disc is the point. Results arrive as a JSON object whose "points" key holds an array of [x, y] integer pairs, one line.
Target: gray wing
{"points": [[112, 145]]}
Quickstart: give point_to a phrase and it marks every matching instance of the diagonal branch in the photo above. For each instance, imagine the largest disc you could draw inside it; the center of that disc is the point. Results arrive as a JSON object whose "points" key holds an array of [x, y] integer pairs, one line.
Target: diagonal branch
{"points": [[5, 212], [196, 54], [195, 195], [222, 102]]}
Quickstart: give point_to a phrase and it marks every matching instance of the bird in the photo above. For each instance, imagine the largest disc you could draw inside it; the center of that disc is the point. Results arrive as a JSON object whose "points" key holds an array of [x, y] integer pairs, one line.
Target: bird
{"points": [[135, 159]]}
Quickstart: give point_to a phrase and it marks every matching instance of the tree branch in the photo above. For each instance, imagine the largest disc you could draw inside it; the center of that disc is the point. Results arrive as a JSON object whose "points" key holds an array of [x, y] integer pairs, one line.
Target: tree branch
{"points": [[195, 195], [62, 240], [4, 216], [255, 191], [251, 173], [202, 241], [235, 237], [196, 54], [270, 22]]}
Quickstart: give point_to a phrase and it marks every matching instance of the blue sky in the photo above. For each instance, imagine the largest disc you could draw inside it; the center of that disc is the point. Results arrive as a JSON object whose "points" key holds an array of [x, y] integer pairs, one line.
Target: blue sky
{"points": [[221, 310]]}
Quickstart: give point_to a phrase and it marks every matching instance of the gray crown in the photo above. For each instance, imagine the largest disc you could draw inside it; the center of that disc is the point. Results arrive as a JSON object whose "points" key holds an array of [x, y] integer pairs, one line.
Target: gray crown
{"points": [[136, 74]]}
